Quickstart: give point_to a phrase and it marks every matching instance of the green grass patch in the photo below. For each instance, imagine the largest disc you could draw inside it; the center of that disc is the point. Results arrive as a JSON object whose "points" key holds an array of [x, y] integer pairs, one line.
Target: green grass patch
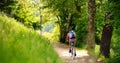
{"points": [[101, 57], [19, 44]]}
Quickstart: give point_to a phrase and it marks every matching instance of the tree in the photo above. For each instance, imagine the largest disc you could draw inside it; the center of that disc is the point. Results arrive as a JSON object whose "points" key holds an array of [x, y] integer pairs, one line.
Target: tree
{"points": [[80, 19], [26, 13], [114, 7], [22, 10], [64, 12], [91, 26], [69, 14], [111, 18], [106, 40], [8, 6]]}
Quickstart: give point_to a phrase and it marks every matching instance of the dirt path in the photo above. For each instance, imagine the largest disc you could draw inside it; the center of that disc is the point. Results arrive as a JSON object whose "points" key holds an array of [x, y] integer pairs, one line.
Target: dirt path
{"points": [[82, 56]]}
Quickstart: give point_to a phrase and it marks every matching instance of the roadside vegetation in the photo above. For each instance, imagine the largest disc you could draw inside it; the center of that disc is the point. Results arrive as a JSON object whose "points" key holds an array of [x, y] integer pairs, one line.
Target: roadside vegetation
{"points": [[18, 44]]}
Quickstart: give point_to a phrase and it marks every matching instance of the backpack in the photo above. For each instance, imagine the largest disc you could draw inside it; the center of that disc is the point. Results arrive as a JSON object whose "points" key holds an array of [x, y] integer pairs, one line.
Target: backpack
{"points": [[71, 35]]}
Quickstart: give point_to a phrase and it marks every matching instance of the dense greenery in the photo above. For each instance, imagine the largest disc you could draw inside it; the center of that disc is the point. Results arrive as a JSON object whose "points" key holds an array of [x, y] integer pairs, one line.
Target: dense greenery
{"points": [[8, 6], [79, 17], [67, 14], [27, 12], [114, 7], [19, 44], [115, 47]]}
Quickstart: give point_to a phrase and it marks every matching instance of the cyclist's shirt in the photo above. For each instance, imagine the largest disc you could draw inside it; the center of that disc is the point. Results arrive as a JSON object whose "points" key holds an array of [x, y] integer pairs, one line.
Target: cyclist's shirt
{"points": [[71, 39]]}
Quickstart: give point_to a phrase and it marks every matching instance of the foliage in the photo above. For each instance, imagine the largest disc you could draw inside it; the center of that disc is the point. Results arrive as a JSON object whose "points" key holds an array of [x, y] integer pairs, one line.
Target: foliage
{"points": [[114, 7], [115, 45], [51, 31], [25, 13], [101, 8], [8, 6], [62, 9], [19, 44], [22, 10], [48, 35], [81, 31], [55, 34], [28, 12]]}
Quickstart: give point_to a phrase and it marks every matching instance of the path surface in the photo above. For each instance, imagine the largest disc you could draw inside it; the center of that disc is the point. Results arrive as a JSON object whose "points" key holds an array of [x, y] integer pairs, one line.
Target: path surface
{"points": [[82, 56]]}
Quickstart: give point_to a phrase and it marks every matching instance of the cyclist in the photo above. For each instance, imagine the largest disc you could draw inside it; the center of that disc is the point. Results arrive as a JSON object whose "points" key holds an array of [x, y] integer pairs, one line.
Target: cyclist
{"points": [[71, 38]]}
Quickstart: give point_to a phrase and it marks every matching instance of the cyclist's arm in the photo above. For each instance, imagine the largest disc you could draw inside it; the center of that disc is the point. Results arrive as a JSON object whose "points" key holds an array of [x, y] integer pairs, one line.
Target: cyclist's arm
{"points": [[67, 38]]}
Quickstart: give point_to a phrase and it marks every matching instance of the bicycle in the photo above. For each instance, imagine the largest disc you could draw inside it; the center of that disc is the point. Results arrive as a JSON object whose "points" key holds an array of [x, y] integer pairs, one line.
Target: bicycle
{"points": [[73, 51]]}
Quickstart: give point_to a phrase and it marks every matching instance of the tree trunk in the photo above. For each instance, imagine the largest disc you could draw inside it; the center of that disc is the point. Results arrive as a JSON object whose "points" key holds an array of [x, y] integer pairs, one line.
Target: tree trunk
{"points": [[105, 40], [65, 28], [68, 22], [106, 36], [62, 30], [62, 34], [91, 27]]}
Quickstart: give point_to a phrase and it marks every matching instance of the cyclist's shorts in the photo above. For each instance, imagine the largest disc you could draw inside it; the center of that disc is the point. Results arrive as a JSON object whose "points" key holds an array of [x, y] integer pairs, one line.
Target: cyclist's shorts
{"points": [[72, 41]]}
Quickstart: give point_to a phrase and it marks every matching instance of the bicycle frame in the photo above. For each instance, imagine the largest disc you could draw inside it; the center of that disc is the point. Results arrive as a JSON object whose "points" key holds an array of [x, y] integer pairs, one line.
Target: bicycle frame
{"points": [[73, 50]]}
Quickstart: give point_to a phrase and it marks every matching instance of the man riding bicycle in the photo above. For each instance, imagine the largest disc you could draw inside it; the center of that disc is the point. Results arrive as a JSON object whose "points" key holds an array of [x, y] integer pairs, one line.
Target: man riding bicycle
{"points": [[71, 38]]}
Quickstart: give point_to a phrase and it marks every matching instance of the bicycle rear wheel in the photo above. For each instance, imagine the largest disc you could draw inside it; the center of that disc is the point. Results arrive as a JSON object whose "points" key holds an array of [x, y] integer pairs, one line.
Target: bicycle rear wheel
{"points": [[73, 52]]}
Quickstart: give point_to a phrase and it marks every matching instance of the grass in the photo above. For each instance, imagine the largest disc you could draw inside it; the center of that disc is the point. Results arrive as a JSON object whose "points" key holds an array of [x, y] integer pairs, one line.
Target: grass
{"points": [[19, 44], [101, 57]]}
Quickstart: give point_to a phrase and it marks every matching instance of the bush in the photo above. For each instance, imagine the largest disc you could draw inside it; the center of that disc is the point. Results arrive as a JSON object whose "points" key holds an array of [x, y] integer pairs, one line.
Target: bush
{"points": [[115, 45], [19, 44]]}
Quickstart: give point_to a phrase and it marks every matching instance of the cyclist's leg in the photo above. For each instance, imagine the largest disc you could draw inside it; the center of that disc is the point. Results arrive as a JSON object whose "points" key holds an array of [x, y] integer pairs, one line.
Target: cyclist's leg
{"points": [[69, 46], [74, 47]]}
